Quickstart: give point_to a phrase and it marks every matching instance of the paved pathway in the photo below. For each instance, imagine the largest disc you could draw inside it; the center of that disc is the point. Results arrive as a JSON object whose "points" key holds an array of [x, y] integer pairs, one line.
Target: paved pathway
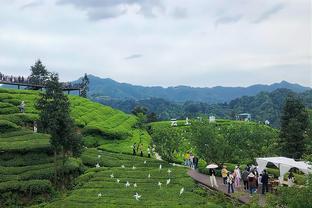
{"points": [[240, 194]]}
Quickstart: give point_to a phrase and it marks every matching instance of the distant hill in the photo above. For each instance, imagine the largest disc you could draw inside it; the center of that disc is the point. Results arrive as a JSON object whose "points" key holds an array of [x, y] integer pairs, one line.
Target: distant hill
{"points": [[114, 90], [263, 106]]}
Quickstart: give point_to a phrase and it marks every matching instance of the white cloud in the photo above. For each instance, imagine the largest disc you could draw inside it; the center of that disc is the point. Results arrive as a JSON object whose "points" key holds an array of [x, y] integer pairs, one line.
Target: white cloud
{"points": [[179, 45]]}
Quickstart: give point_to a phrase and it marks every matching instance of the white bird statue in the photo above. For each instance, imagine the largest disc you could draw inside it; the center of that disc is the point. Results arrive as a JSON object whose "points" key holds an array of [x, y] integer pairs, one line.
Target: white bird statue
{"points": [[117, 180], [112, 175], [181, 191], [99, 156], [127, 184], [168, 181], [149, 176], [144, 161], [137, 196], [159, 184], [97, 165], [160, 167], [122, 166], [135, 185], [99, 194], [169, 171], [133, 168]]}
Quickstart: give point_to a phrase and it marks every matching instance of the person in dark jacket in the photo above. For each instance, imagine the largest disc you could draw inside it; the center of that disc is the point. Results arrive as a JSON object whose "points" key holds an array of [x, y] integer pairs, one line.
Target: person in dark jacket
{"points": [[195, 161], [245, 174], [134, 149], [265, 181]]}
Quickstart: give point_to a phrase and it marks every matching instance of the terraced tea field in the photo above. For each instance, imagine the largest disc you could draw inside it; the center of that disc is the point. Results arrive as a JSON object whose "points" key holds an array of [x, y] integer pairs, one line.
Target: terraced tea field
{"points": [[105, 186]]}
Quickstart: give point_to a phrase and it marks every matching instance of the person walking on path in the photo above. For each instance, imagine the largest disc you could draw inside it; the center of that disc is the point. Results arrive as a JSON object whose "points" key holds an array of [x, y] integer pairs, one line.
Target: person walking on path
{"points": [[245, 174], [291, 179], [141, 150], [195, 161], [224, 174], [230, 182], [149, 151], [212, 177], [265, 181], [238, 176], [191, 160], [187, 159], [22, 107], [252, 182], [134, 149]]}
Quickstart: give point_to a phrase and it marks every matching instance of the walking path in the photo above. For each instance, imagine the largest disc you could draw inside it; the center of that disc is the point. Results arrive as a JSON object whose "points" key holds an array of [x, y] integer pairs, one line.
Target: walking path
{"points": [[240, 194]]}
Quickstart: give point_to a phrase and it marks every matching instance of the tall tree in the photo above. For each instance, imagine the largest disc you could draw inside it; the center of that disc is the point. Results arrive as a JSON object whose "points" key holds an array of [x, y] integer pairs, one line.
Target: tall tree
{"points": [[294, 124], [85, 86], [39, 74], [54, 119], [210, 145]]}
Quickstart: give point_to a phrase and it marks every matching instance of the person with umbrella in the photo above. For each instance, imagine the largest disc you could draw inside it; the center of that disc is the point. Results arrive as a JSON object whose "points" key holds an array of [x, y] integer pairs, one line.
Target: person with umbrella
{"points": [[212, 175]]}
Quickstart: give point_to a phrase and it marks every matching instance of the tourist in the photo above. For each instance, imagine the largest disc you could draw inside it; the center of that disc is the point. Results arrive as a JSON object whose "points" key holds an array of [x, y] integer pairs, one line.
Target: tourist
{"points": [[252, 182], [291, 179], [248, 168], [186, 159], [195, 161], [141, 150], [191, 160], [134, 149], [212, 176], [245, 174], [265, 181], [238, 176], [149, 151], [224, 174], [230, 182], [22, 107]]}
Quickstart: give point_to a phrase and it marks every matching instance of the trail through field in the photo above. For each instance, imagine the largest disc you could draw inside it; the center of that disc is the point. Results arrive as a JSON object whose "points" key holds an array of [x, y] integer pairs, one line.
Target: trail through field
{"points": [[239, 194]]}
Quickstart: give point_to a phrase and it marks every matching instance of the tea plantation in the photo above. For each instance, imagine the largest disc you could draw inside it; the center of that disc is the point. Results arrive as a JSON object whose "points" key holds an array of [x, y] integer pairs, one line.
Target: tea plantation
{"points": [[27, 163]]}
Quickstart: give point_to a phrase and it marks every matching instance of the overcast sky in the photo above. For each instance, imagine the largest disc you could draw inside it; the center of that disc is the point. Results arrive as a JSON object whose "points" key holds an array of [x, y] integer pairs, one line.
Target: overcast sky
{"points": [[161, 42]]}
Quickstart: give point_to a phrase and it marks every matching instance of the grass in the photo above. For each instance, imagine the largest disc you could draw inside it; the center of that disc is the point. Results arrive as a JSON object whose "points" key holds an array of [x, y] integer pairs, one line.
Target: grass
{"points": [[98, 180]]}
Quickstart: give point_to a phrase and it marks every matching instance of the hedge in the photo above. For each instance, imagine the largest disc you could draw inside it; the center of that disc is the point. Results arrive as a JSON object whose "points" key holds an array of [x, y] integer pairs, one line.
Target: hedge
{"points": [[7, 126]]}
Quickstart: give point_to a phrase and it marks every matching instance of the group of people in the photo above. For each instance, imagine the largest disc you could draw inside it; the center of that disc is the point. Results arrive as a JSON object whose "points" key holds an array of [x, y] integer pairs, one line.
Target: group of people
{"points": [[12, 79], [138, 148], [250, 177], [27, 80], [190, 160]]}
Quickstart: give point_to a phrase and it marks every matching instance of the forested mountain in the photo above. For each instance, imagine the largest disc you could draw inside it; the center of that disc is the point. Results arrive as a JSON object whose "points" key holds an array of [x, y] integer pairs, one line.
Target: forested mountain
{"points": [[263, 106], [180, 94]]}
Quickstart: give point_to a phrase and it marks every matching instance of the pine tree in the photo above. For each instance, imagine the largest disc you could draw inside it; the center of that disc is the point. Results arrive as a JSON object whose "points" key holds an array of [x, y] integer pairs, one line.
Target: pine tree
{"points": [[294, 124], [85, 86], [54, 119], [39, 74]]}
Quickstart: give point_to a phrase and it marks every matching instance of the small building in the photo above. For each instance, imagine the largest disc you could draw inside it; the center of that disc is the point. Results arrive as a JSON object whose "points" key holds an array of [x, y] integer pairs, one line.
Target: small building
{"points": [[243, 117]]}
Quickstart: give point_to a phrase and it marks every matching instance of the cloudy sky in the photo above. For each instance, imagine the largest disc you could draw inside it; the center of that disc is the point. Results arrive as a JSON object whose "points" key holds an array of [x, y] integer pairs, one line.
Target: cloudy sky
{"points": [[161, 42]]}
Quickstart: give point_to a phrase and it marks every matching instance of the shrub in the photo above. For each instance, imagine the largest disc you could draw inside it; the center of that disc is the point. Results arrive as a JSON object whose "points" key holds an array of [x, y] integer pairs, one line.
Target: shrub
{"points": [[7, 126]]}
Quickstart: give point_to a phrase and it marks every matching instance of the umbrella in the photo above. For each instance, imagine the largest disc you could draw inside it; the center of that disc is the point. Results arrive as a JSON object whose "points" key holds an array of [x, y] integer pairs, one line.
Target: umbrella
{"points": [[211, 166]]}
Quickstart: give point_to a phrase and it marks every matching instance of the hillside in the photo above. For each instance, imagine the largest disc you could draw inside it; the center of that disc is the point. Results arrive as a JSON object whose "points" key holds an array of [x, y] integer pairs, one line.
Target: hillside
{"points": [[114, 90], [263, 106], [27, 165]]}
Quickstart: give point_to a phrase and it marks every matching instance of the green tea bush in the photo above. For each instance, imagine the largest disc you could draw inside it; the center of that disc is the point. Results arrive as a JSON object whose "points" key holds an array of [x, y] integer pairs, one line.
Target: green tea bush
{"points": [[7, 126]]}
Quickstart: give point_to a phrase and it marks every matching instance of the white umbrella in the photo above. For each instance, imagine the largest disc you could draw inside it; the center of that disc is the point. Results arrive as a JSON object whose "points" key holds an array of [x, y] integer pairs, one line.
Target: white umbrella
{"points": [[211, 166]]}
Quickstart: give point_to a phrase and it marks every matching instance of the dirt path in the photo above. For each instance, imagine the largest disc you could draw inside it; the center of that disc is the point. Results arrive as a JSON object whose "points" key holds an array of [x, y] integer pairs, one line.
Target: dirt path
{"points": [[239, 194]]}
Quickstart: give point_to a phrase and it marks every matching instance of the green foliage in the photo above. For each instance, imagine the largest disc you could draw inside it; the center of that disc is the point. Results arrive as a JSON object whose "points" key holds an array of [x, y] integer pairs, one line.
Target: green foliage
{"points": [[209, 143], [98, 180], [54, 118], [85, 86], [295, 197], [39, 74], [168, 141], [6, 126], [294, 124]]}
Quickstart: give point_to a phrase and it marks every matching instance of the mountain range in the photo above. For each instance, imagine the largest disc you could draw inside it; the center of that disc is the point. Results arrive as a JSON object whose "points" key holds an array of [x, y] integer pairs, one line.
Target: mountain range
{"points": [[110, 89]]}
